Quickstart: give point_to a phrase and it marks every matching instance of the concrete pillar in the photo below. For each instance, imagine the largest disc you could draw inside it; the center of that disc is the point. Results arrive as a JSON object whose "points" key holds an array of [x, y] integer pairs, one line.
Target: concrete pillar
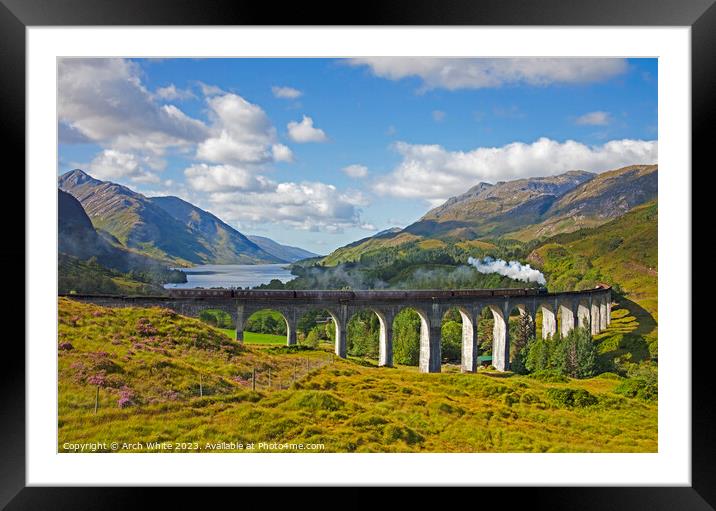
{"points": [[341, 321], [549, 323], [469, 342], [291, 330], [595, 322], [430, 341], [385, 342], [602, 314], [501, 339], [583, 316], [568, 317], [240, 324]]}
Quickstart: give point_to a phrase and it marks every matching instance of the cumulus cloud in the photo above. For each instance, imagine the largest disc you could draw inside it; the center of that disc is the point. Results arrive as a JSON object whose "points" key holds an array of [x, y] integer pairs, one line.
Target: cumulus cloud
{"points": [[115, 165], [105, 101], [210, 90], [477, 73], [433, 173], [594, 119], [304, 131], [286, 92], [171, 92], [220, 178], [312, 206], [281, 153], [355, 171], [241, 132]]}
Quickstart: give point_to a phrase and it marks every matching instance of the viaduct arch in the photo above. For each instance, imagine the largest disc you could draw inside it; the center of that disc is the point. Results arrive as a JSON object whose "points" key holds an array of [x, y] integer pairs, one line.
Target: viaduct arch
{"points": [[590, 308]]}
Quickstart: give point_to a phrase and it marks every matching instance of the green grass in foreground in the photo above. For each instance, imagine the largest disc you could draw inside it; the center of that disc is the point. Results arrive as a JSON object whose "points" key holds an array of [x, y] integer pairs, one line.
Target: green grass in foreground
{"points": [[160, 363], [254, 337]]}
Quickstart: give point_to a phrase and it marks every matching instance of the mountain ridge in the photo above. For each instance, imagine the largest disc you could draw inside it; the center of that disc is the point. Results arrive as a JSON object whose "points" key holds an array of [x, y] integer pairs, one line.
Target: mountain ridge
{"points": [[522, 209], [164, 228]]}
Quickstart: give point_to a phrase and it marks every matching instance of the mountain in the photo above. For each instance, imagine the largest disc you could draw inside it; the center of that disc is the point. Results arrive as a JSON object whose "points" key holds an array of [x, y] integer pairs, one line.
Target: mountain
{"points": [[78, 238], [227, 245], [284, 252], [607, 196], [88, 262], [165, 228], [484, 211], [523, 209]]}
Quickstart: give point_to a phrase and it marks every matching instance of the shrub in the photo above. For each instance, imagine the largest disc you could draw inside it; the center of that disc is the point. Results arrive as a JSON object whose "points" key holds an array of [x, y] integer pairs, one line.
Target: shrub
{"points": [[126, 397], [638, 387], [313, 337], [571, 398], [316, 400], [392, 432]]}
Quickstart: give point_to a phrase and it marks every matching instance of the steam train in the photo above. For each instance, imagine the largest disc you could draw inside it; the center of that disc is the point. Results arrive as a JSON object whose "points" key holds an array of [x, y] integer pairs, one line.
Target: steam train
{"points": [[350, 295]]}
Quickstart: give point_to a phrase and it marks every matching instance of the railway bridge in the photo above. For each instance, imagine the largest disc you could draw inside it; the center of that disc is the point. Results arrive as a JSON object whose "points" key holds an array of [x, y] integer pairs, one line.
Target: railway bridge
{"points": [[589, 308]]}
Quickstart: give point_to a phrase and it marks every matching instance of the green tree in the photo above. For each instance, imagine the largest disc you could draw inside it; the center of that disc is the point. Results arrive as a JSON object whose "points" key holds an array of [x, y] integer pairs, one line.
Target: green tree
{"points": [[575, 354], [451, 341], [521, 334], [363, 331], [406, 337], [539, 354]]}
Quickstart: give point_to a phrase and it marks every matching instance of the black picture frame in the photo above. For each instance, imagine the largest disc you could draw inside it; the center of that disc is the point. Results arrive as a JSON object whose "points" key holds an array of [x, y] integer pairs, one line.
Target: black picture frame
{"points": [[17, 15]]}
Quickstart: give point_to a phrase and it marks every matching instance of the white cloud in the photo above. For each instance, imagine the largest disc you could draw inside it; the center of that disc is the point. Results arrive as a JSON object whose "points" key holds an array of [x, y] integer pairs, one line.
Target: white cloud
{"points": [[105, 101], [355, 171], [433, 173], [439, 115], [286, 92], [281, 153], [477, 73], [594, 119], [210, 90], [304, 131], [170, 92], [312, 206], [224, 178], [241, 133], [113, 165]]}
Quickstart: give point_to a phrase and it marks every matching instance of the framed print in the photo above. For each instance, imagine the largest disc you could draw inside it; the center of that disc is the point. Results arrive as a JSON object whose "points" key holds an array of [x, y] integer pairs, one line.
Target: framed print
{"points": [[444, 245]]}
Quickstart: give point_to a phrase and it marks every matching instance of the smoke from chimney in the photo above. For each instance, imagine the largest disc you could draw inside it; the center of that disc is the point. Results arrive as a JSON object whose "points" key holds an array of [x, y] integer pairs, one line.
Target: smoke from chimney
{"points": [[513, 269]]}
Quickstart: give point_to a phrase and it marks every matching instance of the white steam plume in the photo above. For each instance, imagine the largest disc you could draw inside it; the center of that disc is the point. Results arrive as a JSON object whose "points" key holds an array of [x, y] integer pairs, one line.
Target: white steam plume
{"points": [[513, 269]]}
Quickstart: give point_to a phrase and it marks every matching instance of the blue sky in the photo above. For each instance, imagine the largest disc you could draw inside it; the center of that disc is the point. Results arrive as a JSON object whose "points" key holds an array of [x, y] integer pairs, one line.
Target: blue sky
{"points": [[320, 152]]}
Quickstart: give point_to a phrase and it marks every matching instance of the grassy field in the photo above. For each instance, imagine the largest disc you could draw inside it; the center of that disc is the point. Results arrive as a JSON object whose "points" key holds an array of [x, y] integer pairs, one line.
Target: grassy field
{"points": [[166, 378], [254, 337]]}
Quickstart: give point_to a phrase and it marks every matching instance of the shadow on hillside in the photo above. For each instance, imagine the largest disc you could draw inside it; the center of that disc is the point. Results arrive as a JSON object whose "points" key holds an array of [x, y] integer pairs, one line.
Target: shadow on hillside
{"points": [[623, 344], [646, 322]]}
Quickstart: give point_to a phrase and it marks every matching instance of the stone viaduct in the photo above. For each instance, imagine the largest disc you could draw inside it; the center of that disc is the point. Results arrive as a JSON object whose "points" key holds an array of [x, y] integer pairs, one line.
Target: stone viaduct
{"points": [[589, 308]]}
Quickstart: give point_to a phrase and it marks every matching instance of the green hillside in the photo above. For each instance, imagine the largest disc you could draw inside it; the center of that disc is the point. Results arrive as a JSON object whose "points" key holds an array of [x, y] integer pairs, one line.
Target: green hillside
{"points": [[160, 377], [623, 253], [78, 276]]}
